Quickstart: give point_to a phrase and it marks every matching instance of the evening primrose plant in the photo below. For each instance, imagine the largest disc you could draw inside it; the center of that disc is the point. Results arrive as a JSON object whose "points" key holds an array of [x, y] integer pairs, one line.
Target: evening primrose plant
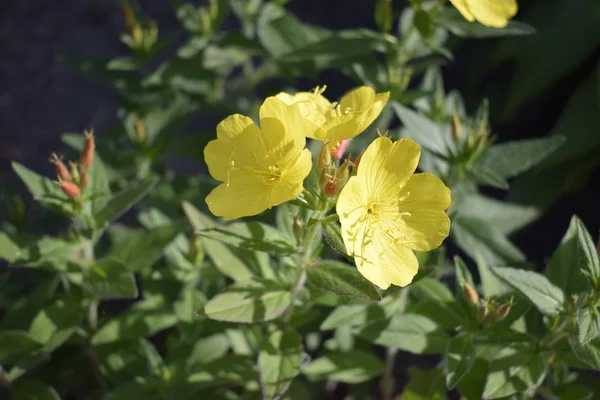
{"points": [[347, 241]]}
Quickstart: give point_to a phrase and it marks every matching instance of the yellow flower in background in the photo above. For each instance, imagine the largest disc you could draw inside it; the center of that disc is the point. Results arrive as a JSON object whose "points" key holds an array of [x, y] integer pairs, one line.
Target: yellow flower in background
{"points": [[386, 212], [338, 121], [259, 167], [494, 13]]}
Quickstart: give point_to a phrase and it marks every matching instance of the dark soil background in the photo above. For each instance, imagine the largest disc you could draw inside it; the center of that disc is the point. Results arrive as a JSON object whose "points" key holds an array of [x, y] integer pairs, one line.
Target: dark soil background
{"points": [[40, 98]]}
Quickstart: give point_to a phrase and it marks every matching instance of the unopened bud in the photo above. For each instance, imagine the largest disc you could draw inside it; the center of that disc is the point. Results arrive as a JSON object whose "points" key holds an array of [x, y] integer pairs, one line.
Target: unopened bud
{"points": [[298, 228], [84, 180], [456, 128], [74, 171], [574, 301], [470, 294], [324, 160], [344, 172], [482, 312], [87, 154], [502, 312], [331, 187], [70, 189], [61, 170], [196, 253], [338, 151], [139, 128], [357, 161]]}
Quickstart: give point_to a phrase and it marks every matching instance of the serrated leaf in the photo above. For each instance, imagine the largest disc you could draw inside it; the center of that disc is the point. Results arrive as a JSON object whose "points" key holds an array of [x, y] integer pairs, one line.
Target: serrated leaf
{"points": [[410, 332], [488, 176], [588, 325], [279, 362], [514, 370], [463, 275], [565, 269], [452, 20], [141, 320], [99, 185], [588, 353], [251, 236], [48, 252], [537, 288], [123, 201], [16, 345], [421, 129], [31, 389], [460, 357], [333, 237], [477, 238], [44, 190], [229, 261], [512, 158], [341, 279], [348, 367], [110, 279], [249, 301], [588, 254]]}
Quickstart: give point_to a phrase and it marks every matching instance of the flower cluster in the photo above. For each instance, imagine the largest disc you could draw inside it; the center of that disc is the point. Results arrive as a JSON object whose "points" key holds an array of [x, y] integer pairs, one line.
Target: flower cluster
{"points": [[385, 210]]}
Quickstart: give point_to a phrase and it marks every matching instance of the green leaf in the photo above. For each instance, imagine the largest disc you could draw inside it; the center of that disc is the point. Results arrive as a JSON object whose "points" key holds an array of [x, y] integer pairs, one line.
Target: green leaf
{"points": [[588, 353], [55, 324], [487, 176], [410, 332], [490, 283], [333, 237], [230, 261], [9, 248], [44, 190], [463, 275], [348, 367], [430, 135], [249, 301], [477, 238], [48, 252], [587, 254], [565, 269], [281, 33], [16, 346], [514, 370], [125, 360], [141, 320], [99, 185], [537, 288], [31, 389], [279, 362], [444, 303], [512, 158], [460, 358], [341, 279], [110, 279], [425, 385], [353, 315], [123, 201], [588, 325], [452, 20], [139, 249], [505, 217], [251, 236]]}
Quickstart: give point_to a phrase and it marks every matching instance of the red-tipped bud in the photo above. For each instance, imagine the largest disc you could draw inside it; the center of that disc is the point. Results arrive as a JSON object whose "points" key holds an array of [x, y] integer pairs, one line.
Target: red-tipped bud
{"points": [[502, 312], [470, 294], [331, 187], [84, 180], [357, 161], [340, 149], [87, 154], [70, 189], [61, 169], [344, 172]]}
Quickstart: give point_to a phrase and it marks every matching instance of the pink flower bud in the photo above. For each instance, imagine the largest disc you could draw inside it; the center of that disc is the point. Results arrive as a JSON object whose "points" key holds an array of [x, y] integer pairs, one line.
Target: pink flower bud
{"points": [[338, 152]]}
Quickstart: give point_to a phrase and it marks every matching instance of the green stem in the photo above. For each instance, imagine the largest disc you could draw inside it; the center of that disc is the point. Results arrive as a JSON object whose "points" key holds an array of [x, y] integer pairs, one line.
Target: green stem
{"points": [[387, 380]]}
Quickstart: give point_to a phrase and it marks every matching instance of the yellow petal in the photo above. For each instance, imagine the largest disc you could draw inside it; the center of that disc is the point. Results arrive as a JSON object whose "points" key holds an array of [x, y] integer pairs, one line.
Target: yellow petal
{"points": [[463, 7], [233, 125], [424, 221], [244, 196], [232, 133], [385, 166], [274, 114], [387, 263], [350, 208], [291, 181], [359, 108], [494, 13]]}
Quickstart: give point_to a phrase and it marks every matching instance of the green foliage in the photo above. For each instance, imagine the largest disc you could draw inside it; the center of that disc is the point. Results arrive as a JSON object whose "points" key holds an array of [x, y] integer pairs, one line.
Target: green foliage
{"points": [[142, 293]]}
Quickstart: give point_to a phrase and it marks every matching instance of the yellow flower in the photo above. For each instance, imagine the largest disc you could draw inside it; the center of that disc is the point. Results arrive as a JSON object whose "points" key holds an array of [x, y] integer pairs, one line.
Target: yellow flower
{"points": [[259, 167], [338, 121], [386, 212], [495, 13]]}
